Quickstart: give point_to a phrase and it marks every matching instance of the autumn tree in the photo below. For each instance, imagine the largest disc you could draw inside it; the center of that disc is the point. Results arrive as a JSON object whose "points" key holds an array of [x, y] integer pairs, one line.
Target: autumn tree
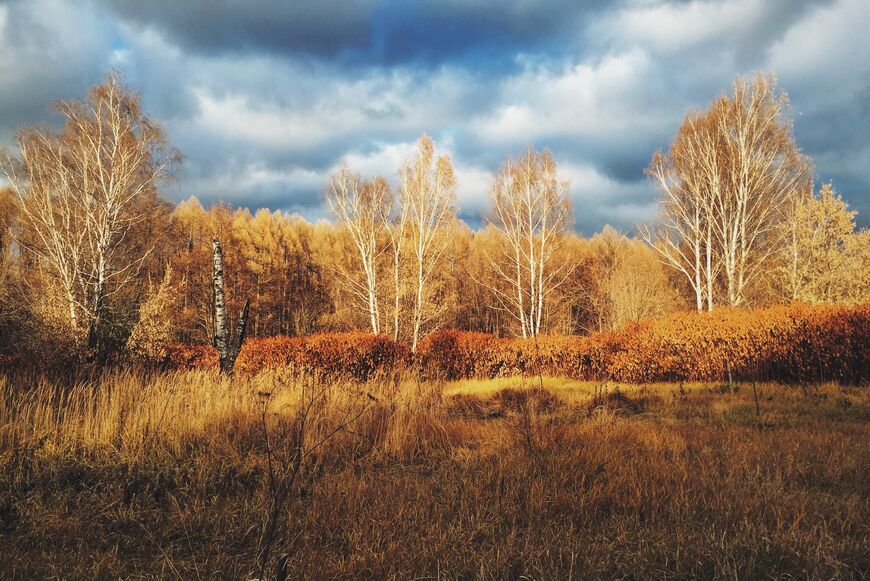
{"points": [[580, 305], [473, 306], [530, 207], [150, 337], [687, 178], [825, 257], [633, 281], [278, 260], [80, 193], [397, 230], [7, 220], [190, 259], [428, 196]]}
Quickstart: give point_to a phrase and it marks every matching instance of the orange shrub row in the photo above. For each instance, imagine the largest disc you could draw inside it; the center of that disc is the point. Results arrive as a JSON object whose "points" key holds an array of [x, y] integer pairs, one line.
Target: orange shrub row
{"points": [[359, 356], [797, 343]]}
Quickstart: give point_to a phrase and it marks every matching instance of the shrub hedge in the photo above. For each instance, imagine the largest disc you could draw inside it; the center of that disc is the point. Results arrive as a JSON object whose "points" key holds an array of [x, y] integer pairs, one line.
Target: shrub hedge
{"points": [[794, 344], [358, 356]]}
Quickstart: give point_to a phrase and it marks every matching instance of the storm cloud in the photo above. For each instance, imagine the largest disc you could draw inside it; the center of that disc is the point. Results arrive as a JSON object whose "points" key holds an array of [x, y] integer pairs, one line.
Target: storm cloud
{"points": [[265, 98]]}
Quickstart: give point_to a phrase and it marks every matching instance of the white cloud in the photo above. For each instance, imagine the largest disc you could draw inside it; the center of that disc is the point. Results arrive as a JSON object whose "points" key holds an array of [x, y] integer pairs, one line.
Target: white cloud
{"points": [[235, 118], [49, 49], [248, 183], [670, 28], [385, 160], [599, 199], [588, 100], [829, 48], [473, 183]]}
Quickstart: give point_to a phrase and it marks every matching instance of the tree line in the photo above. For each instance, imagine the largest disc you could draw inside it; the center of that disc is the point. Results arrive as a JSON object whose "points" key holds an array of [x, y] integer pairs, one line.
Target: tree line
{"points": [[94, 261]]}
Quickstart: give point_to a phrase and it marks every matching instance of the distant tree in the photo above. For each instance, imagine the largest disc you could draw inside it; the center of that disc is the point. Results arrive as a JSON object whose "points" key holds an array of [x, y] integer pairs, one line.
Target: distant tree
{"points": [[580, 304], [7, 302], [82, 191], [826, 257], [191, 262], [468, 278], [530, 207], [7, 220], [428, 196], [634, 283]]}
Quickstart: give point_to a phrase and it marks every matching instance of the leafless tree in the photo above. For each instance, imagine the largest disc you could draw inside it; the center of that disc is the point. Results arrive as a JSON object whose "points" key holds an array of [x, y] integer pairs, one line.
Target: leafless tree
{"points": [[725, 186], [762, 169], [79, 194], [688, 178], [363, 208], [530, 207], [397, 227], [428, 196]]}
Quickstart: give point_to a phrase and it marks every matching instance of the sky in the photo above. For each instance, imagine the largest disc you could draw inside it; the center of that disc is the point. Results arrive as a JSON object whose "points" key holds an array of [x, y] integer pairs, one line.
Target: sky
{"points": [[265, 99]]}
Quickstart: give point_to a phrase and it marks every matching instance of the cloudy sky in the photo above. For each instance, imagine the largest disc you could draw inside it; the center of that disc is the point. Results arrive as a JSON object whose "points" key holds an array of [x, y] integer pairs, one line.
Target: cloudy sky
{"points": [[264, 98]]}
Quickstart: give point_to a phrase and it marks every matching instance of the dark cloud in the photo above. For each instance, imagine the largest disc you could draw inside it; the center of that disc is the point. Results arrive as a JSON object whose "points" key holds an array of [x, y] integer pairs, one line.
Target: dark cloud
{"points": [[321, 28], [364, 32]]}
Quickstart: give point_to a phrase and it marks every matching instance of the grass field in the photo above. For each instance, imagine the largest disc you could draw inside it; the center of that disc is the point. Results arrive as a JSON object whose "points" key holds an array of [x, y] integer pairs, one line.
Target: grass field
{"points": [[188, 475]]}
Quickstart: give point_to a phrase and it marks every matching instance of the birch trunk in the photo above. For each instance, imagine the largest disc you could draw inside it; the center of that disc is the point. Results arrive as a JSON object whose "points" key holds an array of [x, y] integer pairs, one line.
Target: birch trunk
{"points": [[228, 348]]}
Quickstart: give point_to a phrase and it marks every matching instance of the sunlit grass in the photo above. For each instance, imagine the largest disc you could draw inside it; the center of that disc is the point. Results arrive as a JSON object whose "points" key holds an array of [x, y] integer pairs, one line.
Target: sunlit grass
{"points": [[167, 474], [564, 387]]}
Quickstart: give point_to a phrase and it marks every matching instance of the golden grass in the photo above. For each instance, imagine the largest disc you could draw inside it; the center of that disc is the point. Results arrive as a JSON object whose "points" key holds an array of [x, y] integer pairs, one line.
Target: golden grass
{"points": [[168, 475]]}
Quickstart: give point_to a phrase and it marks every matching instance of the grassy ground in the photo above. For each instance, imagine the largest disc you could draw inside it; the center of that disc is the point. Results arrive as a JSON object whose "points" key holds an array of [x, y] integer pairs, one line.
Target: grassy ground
{"points": [[176, 475]]}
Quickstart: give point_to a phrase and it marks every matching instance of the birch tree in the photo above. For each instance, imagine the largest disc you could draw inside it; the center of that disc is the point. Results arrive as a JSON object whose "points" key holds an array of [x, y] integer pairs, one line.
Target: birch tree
{"points": [[687, 179], [762, 169], [79, 193], [428, 198], [530, 207], [396, 227], [725, 186], [228, 347], [362, 208]]}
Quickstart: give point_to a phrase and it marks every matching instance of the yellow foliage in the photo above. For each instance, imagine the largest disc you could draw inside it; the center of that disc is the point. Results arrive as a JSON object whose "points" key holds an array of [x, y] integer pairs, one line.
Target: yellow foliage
{"points": [[149, 340]]}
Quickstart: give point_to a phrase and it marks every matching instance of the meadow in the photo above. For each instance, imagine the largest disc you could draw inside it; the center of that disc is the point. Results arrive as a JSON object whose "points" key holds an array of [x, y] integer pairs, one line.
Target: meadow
{"points": [[282, 474]]}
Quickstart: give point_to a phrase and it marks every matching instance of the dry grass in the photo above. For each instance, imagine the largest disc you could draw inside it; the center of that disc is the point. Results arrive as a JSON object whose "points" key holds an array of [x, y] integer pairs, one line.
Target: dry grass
{"points": [[168, 475]]}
